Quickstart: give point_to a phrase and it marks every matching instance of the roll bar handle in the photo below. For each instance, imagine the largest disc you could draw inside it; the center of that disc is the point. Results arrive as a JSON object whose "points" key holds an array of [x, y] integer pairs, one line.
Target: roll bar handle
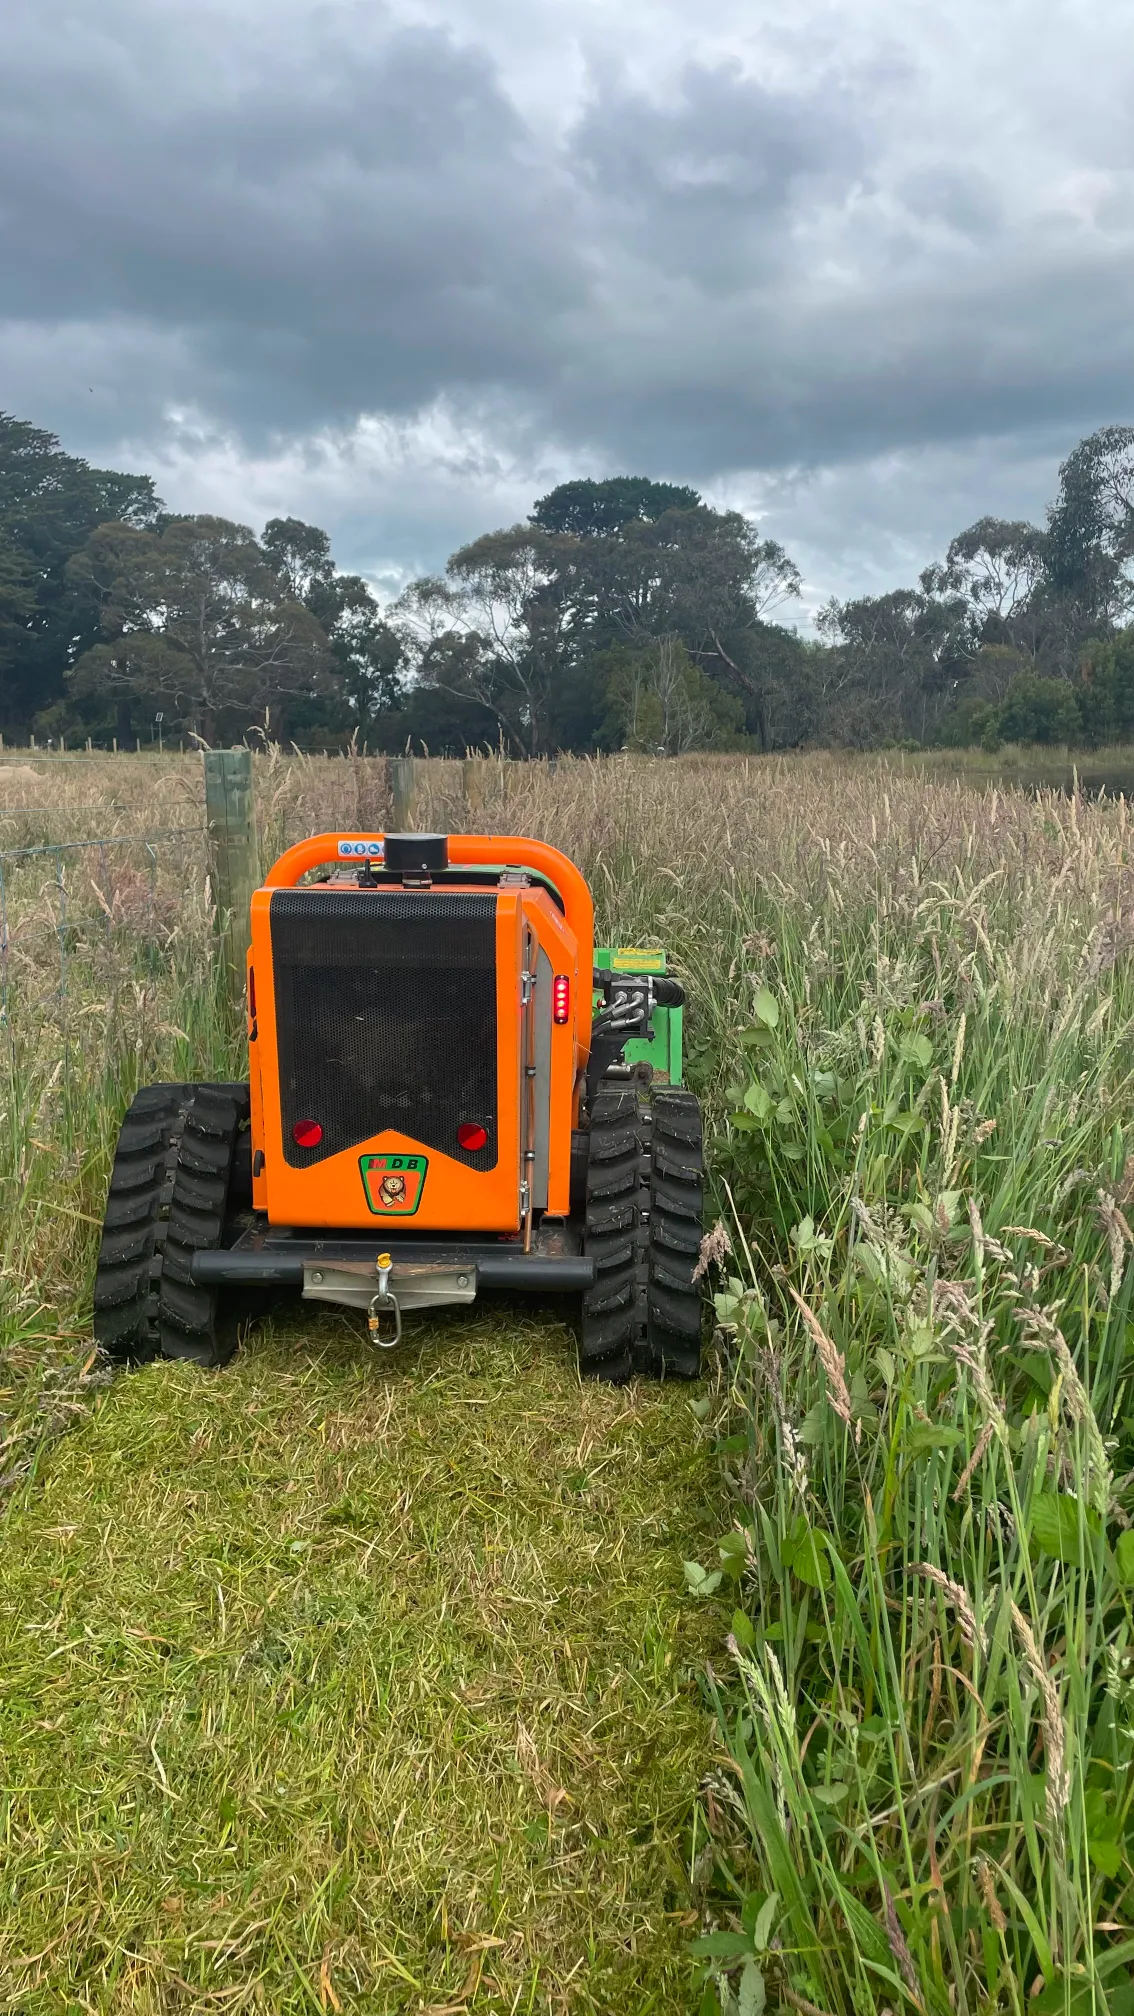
{"points": [[466, 850]]}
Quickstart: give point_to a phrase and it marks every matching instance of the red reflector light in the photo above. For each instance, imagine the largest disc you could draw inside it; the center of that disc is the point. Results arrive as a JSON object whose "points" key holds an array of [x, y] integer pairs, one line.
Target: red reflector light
{"points": [[560, 998], [307, 1133], [471, 1135]]}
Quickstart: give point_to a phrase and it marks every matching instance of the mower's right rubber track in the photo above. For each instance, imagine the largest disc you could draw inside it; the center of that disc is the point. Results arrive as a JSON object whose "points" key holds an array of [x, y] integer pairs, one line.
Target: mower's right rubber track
{"points": [[643, 1230], [616, 1226], [674, 1300]]}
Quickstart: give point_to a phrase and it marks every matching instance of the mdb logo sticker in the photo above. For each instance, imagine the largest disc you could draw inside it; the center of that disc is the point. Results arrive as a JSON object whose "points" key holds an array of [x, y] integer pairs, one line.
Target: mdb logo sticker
{"points": [[393, 1183], [361, 850]]}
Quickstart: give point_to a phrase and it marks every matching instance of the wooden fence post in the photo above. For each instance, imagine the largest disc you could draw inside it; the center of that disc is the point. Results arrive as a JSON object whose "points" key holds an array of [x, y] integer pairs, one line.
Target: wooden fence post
{"points": [[403, 786], [234, 863]]}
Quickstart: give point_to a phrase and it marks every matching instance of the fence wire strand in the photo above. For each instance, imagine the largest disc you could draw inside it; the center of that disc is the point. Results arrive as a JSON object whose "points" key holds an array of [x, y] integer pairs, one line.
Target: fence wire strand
{"points": [[70, 917]]}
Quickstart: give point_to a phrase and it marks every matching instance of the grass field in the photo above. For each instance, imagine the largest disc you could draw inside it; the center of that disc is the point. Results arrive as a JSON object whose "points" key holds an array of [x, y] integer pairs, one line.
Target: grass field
{"points": [[333, 1684], [904, 1500]]}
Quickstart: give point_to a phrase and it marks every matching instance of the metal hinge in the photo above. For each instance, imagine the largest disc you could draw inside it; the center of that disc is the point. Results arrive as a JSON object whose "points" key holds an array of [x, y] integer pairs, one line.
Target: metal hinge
{"points": [[527, 987]]}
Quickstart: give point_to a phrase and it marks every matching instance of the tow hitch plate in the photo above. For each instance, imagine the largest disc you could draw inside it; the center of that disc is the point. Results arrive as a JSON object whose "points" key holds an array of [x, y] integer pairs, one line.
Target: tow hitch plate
{"points": [[386, 1291]]}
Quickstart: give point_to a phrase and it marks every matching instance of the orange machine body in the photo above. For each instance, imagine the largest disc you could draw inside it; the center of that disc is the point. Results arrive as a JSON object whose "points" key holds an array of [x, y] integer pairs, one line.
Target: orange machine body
{"points": [[356, 1006]]}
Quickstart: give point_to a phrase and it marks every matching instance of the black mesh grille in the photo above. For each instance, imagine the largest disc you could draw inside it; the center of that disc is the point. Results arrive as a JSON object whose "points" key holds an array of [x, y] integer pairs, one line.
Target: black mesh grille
{"points": [[386, 1017]]}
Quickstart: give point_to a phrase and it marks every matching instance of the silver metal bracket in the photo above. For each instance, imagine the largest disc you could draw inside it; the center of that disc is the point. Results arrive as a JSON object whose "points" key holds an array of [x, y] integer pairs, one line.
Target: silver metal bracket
{"points": [[401, 1286]]}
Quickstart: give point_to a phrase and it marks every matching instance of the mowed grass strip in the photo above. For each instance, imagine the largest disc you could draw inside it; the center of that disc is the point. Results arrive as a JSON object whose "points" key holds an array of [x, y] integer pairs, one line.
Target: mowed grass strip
{"points": [[343, 1681]]}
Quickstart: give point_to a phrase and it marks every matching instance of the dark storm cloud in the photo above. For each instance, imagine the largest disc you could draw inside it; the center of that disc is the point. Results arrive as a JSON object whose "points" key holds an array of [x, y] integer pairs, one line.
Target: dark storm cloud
{"points": [[311, 228], [279, 220], [799, 378], [334, 229], [704, 187]]}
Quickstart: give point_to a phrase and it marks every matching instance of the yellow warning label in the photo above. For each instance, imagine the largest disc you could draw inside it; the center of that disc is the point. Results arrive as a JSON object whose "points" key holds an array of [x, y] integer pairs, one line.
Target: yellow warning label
{"points": [[630, 959]]}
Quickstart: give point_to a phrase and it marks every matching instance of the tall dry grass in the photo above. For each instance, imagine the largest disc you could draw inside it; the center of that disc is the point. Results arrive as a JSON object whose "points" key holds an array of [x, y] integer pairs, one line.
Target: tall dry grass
{"points": [[911, 1018]]}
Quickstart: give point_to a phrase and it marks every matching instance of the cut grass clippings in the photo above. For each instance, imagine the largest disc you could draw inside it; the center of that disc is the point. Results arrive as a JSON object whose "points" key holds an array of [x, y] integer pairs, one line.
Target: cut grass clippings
{"points": [[341, 1682]]}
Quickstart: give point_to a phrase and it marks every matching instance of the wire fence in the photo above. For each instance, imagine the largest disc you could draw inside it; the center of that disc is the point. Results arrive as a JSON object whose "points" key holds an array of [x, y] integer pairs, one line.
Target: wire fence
{"points": [[113, 878], [70, 916], [115, 967], [92, 933]]}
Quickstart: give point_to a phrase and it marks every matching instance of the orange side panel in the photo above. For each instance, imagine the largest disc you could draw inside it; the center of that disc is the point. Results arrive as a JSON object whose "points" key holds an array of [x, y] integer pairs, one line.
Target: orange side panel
{"points": [[256, 1094], [561, 946]]}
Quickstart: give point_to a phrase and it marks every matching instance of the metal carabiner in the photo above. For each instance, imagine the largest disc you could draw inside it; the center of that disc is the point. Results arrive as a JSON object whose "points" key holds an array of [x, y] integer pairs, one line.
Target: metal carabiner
{"points": [[384, 1305]]}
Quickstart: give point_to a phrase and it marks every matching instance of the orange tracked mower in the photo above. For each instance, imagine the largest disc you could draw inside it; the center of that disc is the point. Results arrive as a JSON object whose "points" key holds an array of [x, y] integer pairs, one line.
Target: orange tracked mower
{"points": [[449, 1090]]}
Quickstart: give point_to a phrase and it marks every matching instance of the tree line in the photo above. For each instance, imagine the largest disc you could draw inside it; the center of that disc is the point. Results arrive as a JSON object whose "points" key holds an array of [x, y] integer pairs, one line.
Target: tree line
{"points": [[621, 614]]}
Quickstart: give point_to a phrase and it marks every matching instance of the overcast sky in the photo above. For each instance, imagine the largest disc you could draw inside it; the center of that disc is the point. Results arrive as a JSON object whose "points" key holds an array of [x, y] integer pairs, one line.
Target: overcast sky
{"points": [[860, 267]]}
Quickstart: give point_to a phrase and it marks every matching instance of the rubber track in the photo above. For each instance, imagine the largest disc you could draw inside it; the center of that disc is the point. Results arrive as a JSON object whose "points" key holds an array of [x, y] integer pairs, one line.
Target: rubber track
{"points": [[135, 1224], [614, 1310], [190, 1319], [674, 1301]]}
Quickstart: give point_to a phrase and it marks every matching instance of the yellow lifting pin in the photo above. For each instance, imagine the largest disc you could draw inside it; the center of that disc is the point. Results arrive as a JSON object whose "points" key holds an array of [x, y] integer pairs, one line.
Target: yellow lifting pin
{"points": [[384, 1303]]}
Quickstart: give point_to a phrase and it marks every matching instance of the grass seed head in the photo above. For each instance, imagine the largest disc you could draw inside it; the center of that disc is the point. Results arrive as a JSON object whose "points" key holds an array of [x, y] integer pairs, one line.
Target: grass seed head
{"points": [[833, 1363], [1054, 1733], [971, 1630]]}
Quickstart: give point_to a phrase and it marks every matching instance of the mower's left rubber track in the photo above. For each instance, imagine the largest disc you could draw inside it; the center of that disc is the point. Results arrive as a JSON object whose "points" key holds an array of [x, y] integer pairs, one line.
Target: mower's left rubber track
{"points": [[194, 1322], [136, 1222]]}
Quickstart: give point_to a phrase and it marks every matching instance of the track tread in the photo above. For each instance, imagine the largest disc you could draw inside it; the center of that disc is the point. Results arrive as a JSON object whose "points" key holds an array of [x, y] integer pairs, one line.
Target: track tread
{"points": [[197, 1323], [612, 1180], [135, 1224], [617, 1215], [674, 1299], [613, 1315], [675, 1234], [614, 1141], [124, 1210]]}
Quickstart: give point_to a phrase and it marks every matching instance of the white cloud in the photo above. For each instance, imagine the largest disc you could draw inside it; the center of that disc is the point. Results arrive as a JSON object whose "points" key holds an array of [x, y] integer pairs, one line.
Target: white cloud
{"points": [[389, 487]]}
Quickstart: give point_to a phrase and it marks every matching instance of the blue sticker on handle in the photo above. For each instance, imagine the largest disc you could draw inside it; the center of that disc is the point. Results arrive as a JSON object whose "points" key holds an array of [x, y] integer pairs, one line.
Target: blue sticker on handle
{"points": [[361, 850]]}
